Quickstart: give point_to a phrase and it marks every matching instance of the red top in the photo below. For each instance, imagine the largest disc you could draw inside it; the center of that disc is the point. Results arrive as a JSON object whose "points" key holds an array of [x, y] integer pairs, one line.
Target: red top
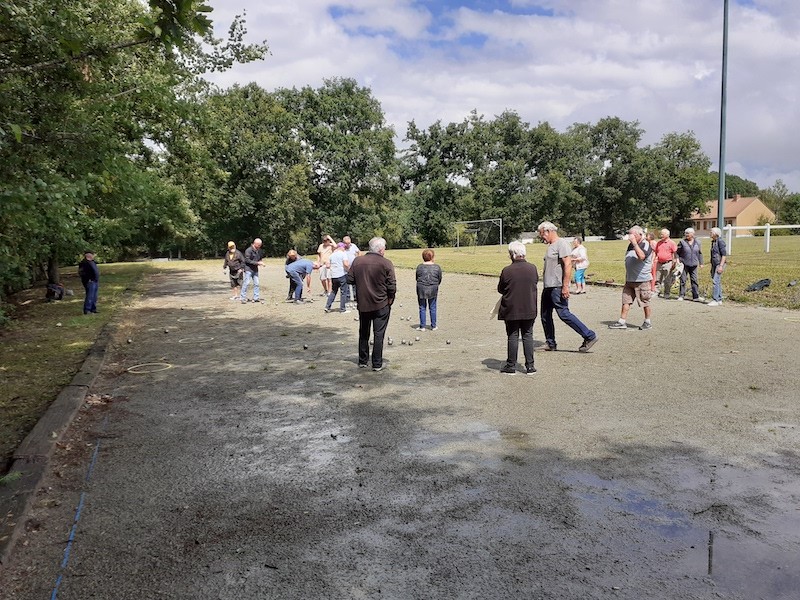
{"points": [[665, 249]]}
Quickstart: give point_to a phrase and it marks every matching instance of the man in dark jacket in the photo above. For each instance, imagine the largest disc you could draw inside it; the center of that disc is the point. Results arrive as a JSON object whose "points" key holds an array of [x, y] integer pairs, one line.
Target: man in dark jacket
{"points": [[90, 278], [252, 260], [374, 277], [518, 285], [234, 262]]}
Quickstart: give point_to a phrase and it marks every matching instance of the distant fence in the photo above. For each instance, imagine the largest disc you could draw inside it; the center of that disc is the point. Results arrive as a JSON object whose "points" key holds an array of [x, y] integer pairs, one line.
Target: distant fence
{"points": [[729, 229]]}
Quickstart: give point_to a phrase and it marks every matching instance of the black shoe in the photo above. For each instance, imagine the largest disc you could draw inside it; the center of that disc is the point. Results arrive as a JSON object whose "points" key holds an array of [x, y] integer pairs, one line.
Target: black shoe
{"points": [[378, 368], [587, 344], [509, 370], [530, 370], [362, 365], [548, 348]]}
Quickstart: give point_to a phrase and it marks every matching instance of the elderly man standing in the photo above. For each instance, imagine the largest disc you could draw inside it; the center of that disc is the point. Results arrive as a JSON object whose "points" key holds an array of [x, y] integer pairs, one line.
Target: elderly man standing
{"points": [[691, 254], [665, 263], [638, 275], [374, 277], [90, 278], [252, 261], [555, 295], [518, 285]]}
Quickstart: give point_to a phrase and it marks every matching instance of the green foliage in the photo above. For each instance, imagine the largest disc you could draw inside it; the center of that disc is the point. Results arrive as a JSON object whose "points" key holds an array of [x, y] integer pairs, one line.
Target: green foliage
{"points": [[790, 212], [736, 185], [764, 220], [87, 90]]}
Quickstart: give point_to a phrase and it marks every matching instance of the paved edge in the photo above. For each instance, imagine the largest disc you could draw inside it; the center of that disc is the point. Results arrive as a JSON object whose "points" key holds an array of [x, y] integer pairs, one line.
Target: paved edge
{"points": [[32, 457]]}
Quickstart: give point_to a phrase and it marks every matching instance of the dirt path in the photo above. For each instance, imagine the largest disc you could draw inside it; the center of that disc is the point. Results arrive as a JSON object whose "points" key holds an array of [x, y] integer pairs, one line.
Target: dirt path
{"points": [[663, 464]]}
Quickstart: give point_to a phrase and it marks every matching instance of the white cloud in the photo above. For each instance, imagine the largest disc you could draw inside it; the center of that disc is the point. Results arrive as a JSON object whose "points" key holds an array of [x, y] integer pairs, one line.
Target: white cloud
{"points": [[658, 62]]}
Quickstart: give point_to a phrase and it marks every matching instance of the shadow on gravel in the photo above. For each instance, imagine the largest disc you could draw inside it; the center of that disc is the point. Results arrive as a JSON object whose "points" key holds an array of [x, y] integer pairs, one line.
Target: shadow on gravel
{"points": [[263, 464]]}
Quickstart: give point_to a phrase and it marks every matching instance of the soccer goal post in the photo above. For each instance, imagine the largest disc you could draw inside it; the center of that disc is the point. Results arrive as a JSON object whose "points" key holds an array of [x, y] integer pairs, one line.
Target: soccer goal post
{"points": [[482, 232]]}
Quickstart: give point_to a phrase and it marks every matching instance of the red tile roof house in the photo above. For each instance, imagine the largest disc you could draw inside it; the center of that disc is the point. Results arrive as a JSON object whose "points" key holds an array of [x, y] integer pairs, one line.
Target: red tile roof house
{"points": [[739, 212]]}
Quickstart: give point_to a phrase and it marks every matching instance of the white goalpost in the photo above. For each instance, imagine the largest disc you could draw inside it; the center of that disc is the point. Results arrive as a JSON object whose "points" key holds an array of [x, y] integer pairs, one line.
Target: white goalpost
{"points": [[481, 232]]}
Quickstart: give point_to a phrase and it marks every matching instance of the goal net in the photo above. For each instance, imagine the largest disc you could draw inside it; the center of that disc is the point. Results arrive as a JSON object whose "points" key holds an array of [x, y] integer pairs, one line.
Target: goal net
{"points": [[468, 235]]}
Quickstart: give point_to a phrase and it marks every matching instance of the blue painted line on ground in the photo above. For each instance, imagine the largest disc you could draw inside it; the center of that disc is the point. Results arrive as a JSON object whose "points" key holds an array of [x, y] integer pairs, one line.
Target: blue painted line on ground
{"points": [[77, 518], [94, 460], [71, 539]]}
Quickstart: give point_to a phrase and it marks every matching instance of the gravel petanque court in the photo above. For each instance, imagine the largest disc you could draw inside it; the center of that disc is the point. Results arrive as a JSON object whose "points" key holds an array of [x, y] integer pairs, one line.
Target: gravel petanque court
{"points": [[236, 451]]}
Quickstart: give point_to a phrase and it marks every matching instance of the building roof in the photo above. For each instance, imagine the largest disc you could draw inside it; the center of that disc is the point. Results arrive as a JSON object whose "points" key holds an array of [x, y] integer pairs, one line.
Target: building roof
{"points": [[733, 207]]}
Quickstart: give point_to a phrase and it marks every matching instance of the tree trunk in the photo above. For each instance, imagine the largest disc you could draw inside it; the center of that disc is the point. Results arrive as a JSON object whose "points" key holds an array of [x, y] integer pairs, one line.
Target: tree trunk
{"points": [[53, 274]]}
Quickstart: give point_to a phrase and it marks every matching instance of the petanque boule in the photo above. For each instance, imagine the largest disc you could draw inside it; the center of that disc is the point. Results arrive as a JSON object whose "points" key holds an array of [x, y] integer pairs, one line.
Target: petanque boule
{"points": [[305, 346], [447, 342], [416, 338], [410, 343], [403, 342]]}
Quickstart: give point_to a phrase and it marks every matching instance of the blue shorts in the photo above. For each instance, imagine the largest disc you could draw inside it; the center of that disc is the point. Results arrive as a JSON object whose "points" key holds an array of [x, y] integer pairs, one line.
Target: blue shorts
{"points": [[580, 276]]}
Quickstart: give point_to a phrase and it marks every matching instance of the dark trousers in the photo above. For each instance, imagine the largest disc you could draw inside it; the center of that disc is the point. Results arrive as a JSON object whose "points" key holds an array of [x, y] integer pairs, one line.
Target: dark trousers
{"points": [[513, 330], [378, 319], [692, 273]]}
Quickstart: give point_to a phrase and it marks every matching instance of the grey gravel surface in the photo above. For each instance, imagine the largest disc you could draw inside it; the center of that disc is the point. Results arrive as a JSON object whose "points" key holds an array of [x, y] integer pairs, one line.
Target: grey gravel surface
{"points": [[661, 464]]}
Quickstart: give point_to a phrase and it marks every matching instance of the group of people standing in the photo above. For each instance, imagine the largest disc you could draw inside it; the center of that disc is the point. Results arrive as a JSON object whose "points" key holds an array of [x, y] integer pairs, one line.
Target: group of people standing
{"points": [[683, 260], [644, 259], [373, 276]]}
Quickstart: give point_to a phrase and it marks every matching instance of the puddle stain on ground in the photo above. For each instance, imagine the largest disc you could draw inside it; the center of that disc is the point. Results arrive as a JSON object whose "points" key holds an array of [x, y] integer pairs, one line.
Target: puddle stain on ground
{"points": [[752, 559]]}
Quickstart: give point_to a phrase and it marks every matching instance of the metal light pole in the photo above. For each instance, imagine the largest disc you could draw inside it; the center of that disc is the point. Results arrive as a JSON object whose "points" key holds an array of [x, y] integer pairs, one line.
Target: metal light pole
{"points": [[723, 111]]}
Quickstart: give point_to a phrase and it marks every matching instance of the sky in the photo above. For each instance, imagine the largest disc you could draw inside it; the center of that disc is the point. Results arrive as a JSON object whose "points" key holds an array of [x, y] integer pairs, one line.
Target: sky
{"points": [[658, 62]]}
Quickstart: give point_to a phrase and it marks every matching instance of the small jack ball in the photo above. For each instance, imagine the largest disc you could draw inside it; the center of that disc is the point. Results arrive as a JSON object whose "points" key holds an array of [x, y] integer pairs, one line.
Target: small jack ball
{"points": [[305, 346], [416, 339], [447, 342]]}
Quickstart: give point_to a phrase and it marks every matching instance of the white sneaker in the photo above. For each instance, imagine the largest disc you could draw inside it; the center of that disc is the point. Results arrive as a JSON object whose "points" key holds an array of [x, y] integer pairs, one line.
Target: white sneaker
{"points": [[714, 303]]}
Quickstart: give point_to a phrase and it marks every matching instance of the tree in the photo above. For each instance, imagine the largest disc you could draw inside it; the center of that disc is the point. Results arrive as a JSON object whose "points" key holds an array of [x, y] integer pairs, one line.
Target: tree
{"points": [[674, 181], [735, 185], [790, 212], [432, 169], [87, 89], [774, 197], [349, 152], [614, 200]]}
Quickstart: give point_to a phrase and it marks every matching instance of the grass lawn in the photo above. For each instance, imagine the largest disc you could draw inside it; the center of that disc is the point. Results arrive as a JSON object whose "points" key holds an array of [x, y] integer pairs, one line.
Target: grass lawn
{"points": [[748, 263], [46, 342]]}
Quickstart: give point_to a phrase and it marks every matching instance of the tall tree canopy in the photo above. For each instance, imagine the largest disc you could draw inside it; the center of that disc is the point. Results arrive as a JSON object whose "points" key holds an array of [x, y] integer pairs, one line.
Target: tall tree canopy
{"points": [[87, 90]]}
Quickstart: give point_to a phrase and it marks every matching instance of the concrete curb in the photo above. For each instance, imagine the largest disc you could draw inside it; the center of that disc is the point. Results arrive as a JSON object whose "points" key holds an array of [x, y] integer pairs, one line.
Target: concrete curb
{"points": [[31, 459]]}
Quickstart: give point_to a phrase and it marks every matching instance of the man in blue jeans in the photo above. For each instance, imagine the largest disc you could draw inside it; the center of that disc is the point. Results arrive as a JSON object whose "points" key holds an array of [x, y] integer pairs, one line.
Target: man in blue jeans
{"points": [[297, 271], [252, 261], [90, 278], [555, 295]]}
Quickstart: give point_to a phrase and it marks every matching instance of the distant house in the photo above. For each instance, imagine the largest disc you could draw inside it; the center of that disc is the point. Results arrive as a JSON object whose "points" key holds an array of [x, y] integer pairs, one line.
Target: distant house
{"points": [[739, 212]]}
